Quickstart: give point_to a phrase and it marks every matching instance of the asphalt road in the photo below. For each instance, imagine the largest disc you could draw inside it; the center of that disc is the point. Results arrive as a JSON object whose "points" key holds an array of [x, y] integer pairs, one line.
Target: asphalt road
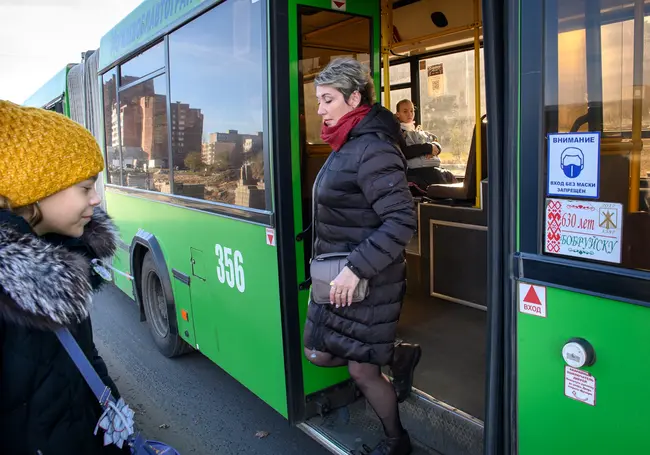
{"points": [[187, 402]]}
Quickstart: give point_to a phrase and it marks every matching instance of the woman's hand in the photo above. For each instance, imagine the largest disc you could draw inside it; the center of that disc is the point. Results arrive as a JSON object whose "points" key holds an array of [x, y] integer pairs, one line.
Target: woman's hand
{"points": [[342, 288]]}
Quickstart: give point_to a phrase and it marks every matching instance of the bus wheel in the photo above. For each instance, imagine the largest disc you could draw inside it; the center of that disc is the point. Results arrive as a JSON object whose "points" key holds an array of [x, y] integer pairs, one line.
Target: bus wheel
{"points": [[156, 311]]}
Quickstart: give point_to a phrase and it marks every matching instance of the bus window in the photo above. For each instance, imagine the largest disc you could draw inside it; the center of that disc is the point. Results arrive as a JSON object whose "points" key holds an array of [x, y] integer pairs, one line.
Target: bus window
{"points": [[217, 74], [597, 72], [400, 84], [327, 35], [143, 129], [142, 65], [399, 74], [447, 106], [396, 95], [324, 36], [111, 138]]}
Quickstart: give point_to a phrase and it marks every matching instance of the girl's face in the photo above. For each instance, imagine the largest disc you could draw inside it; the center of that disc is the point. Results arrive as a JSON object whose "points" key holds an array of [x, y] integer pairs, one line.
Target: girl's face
{"points": [[332, 105], [67, 212], [406, 112]]}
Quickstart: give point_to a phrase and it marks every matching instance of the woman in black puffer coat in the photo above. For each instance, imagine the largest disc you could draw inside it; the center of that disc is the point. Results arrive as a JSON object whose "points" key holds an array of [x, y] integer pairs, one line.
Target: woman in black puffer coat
{"points": [[50, 230], [364, 208]]}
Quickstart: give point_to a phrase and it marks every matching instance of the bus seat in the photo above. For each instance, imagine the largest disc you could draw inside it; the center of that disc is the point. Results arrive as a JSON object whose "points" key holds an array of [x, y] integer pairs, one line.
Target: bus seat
{"points": [[465, 190]]}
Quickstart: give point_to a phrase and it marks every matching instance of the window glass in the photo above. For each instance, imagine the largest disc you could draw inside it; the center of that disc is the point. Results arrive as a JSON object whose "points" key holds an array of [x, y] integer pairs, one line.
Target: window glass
{"points": [[143, 124], [597, 71], [310, 69], [111, 138], [217, 77], [399, 74], [396, 96], [146, 63], [447, 104]]}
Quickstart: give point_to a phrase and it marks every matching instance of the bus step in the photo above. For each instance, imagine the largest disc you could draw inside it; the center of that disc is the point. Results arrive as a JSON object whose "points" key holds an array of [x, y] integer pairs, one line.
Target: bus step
{"points": [[435, 428], [349, 428]]}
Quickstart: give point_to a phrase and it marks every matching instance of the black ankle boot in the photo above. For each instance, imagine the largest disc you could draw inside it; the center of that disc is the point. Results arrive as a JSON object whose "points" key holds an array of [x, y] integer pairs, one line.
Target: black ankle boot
{"points": [[394, 446], [405, 359]]}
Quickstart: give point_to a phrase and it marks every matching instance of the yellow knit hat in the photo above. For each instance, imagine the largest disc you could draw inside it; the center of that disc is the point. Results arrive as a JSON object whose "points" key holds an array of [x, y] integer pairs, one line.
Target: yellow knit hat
{"points": [[42, 153]]}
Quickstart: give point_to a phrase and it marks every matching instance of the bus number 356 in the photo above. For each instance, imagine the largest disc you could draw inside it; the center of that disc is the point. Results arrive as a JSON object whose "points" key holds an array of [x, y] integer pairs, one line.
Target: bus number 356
{"points": [[230, 269]]}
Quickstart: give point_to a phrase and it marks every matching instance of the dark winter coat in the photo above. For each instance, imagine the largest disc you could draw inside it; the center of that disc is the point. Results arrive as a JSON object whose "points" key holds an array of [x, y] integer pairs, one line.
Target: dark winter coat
{"points": [[364, 207], [45, 282]]}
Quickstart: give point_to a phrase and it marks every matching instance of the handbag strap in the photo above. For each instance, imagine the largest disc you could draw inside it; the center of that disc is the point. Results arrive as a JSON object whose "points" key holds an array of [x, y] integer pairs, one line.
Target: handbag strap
{"points": [[101, 391]]}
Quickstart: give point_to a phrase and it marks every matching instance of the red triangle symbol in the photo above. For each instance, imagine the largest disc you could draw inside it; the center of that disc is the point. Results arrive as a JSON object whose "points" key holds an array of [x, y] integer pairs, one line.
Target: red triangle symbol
{"points": [[270, 238], [339, 4], [531, 297]]}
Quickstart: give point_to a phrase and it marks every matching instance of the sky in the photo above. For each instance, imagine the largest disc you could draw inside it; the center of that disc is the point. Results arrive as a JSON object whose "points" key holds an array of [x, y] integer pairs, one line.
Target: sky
{"points": [[34, 46]]}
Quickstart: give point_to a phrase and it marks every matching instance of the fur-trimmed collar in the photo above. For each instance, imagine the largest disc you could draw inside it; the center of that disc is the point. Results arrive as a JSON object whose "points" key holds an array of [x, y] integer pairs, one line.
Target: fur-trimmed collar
{"points": [[46, 283]]}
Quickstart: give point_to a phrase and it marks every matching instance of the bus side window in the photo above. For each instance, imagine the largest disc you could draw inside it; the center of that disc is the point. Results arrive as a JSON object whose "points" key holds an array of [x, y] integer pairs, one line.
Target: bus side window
{"points": [[217, 74]]}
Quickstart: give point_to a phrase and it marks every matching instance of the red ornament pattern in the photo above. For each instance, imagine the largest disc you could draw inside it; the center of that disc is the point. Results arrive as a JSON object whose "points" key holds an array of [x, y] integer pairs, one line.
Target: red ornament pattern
{"points": [[553, 226]]}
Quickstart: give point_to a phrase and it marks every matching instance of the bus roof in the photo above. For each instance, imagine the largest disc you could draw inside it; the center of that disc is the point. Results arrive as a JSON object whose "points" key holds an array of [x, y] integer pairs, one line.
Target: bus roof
{"points": [[51, 90], [150, 20]]}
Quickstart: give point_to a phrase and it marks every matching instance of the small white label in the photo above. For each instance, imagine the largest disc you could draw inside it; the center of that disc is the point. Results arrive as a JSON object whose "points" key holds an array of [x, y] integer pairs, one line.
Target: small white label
{"points": [[339, 5], [579, 385], [574, 165], [532, 299], [574, 355], [270, 236]]}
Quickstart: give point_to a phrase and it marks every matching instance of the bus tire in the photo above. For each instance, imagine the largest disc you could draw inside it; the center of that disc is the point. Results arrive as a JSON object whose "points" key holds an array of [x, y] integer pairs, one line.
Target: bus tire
{"points": [[158, 310]]}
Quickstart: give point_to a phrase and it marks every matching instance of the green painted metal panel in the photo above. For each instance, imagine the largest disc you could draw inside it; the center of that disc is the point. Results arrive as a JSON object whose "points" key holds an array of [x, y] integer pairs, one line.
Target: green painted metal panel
{"points": [[143, 25], [235, 303], [316, 378], [551, 423]]}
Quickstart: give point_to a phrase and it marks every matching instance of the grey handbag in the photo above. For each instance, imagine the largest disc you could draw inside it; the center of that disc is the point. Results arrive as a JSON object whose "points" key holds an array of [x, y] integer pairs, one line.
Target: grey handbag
{"points": [[324, 268]]}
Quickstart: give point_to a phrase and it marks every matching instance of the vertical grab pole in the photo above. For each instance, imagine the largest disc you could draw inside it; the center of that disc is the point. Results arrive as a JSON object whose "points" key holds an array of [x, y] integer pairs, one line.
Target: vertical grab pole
{"points": [[386, 41], [637, 108], [477, 100]]}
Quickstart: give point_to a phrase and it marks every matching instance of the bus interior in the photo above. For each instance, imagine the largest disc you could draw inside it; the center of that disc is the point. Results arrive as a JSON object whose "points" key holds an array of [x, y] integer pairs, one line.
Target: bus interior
{"points": [[436, 45], [434, 48]]}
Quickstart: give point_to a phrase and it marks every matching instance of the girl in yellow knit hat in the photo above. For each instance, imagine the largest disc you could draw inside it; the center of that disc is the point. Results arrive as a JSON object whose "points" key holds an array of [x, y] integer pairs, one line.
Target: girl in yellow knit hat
{"points": [[51, 227]]}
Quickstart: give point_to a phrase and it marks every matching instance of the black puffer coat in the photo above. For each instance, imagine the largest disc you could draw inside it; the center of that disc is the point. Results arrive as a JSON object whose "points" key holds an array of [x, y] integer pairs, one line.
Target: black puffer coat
{"points": [[45, 404], [364, 207]]}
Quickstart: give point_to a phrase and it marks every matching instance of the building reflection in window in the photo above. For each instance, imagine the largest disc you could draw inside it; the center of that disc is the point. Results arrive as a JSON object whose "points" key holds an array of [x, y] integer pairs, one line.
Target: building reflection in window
{"points": [[145, 145], [217, 100], [112, 147]]}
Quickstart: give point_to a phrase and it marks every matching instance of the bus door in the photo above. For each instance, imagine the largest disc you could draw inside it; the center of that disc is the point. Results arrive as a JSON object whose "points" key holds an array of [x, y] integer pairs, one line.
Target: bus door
{"points": [[321, 33], [445, 309], [582, 337]]}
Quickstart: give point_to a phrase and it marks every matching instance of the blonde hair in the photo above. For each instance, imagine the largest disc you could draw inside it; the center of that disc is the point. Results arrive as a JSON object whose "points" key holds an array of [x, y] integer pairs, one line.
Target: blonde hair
{"points": [[31, 212]]}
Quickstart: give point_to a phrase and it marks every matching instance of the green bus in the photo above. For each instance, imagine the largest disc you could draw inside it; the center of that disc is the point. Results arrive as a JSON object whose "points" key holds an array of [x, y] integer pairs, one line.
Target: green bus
{"points": [[529, 279], [74, 92]]}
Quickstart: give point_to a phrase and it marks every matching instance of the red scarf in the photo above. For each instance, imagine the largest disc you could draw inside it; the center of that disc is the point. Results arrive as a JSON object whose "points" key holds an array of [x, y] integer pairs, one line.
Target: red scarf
{"points": [[337, 135]]}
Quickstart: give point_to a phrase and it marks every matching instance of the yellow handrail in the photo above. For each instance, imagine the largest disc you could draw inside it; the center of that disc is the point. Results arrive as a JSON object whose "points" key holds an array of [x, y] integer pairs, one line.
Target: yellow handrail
{"points": [[637, 108], [477, 102], [386, 40]]}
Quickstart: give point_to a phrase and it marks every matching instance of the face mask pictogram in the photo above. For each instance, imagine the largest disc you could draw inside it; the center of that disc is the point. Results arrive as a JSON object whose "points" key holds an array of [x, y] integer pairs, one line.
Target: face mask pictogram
{"points": [[572, 162]]}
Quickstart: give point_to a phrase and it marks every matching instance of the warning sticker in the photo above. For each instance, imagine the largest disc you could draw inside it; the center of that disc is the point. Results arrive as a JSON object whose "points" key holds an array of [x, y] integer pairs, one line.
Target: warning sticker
{"points": [[532, 299], [579, 385], [339, 5], [270, 236]]}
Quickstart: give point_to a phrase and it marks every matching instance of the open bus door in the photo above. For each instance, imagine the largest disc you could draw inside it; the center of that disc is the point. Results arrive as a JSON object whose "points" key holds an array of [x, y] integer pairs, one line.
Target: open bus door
{"points": [[323, 400]]}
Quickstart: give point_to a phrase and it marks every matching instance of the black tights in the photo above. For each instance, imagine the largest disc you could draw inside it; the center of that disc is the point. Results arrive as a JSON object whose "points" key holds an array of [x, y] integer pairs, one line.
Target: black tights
{"points": [[373, 384]]}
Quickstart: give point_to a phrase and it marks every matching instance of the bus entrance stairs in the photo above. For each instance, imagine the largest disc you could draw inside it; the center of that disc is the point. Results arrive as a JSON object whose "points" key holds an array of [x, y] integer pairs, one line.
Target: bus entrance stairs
{"points": [[435, 428]]}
